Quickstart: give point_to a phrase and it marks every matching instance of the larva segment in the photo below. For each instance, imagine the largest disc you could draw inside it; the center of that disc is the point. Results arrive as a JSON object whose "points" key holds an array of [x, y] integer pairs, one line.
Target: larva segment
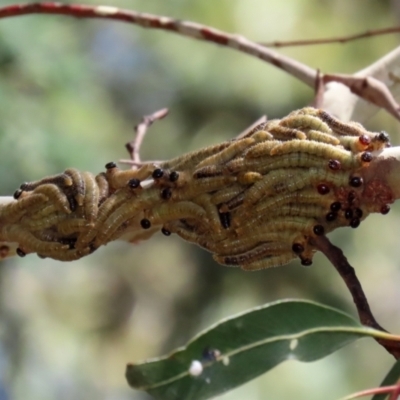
{"points": [[261, 149], [113, 222], [232, 203], [212, 214], [227, 193], [103, 187], [28, 241], [318, 149], [255, 254], [261, 135], [44, 212], [237, 246], [62, 180], [78, 188], [287, 225], [274, 261], [276, 182], [55, 195], [323, 137], [118, 179], [165, 212], [91, 200], [73, 225], [192, 159], [285, 133], [24, 205], [67, 255], [292, 160], [305, 122], [201, 186], [207, 172], [227, 154], [340, 128], [112, 203], [41, 223], [248, 178]]}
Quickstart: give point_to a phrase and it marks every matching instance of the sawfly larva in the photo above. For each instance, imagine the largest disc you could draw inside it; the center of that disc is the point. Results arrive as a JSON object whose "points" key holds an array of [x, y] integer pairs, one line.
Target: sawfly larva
{"points": [[201, 186], [103, 187], [190, 160], [227, 154], [91, 201], [285, 133], [261, 149], [327, 138], [73, 225], [62, 180], [318, 149], [28, 242], [24, 205], [261, 251], [226, 194], [161, 213], [55, 195], [274, 261], [305, 122], [78, 188]]}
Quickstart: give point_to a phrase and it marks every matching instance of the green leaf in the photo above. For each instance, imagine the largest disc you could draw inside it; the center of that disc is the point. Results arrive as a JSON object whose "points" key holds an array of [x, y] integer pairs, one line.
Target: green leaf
{"points": [[245, 346], [391, 379]]}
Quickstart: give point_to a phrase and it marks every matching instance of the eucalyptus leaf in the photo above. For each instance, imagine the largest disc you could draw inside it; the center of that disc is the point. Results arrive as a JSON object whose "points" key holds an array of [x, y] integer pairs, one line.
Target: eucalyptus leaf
{"points": [[245, 346]]}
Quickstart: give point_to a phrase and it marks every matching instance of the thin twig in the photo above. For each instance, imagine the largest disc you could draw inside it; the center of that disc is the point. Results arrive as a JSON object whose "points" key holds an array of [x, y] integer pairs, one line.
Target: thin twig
{"points": [[191, 29], [339, 261], [393, 389], [338, 39], [133, 147]]}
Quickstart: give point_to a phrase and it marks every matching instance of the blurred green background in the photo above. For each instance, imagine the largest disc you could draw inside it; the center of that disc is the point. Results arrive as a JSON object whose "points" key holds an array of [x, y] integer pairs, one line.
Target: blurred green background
{"points": [[70, 93]]}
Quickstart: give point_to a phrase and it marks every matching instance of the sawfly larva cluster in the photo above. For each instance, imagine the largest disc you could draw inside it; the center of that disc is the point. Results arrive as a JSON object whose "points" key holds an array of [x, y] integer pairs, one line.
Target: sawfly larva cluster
{"points": [[254, 202]]}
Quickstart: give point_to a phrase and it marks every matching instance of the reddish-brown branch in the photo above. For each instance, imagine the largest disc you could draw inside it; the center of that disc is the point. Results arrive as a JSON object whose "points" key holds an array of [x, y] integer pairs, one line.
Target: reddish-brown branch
{"points": [[191, 29], [133, 147], [339, 261], [338, 39]]}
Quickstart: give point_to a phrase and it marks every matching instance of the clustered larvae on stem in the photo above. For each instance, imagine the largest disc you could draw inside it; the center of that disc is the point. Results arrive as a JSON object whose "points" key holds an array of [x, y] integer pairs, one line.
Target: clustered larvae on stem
{"points": [[254, 202]]}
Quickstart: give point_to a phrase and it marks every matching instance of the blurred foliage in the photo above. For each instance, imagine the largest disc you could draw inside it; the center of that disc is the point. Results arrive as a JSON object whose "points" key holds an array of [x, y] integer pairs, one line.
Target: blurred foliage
{"points": [[70, 93]]}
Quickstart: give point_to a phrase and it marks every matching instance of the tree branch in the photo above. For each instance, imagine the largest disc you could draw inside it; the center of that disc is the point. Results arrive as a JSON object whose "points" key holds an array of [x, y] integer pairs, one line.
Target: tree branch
{"points": [[346, 271], [190, 29], [337, 39]]}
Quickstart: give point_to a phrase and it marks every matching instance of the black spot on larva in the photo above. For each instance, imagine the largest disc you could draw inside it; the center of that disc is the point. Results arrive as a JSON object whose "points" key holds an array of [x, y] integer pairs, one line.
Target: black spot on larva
{"points": [[174, 176], [356, 181], [331, 216], [334, 165], [166, 193], [358, 213], [165, 232], [319, 230], [134, 183], [348, 214], [336, 206], [225, 219], [366, 157], [306, 262], [111, 165], [158, 173], [17, 194], [297, 248], [20, 252], [385, 209], [145, 223], [355, 223]]}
